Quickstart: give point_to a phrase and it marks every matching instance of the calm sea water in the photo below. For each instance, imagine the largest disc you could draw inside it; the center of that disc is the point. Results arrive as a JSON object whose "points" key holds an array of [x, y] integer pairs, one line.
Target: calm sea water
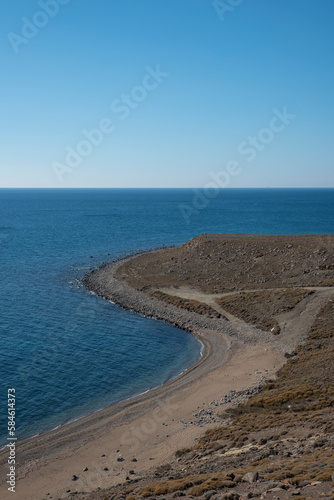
{"points": [[68, 352]]}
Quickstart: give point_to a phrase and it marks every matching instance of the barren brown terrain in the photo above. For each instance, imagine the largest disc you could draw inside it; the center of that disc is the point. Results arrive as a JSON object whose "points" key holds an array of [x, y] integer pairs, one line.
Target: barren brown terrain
{"points": [[278, 442], [224, 263], [260, 308]]}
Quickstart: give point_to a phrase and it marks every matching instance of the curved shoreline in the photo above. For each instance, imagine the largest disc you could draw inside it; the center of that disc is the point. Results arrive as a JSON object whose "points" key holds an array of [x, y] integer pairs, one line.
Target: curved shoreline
{"points": [[104, 283], [53, 453]]}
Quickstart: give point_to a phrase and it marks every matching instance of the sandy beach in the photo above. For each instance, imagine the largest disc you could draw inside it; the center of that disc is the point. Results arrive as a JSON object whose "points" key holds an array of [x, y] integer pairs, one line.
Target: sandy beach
{"points": [[130, 438]]}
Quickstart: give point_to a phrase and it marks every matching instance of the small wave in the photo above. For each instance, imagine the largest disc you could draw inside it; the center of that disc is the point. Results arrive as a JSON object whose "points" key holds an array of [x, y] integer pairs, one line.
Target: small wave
{"points": [[202, 348]]}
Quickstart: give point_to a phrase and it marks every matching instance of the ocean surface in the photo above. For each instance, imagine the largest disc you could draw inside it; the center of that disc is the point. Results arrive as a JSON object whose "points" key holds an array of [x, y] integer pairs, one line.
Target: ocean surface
{"points": [[66, 351]]}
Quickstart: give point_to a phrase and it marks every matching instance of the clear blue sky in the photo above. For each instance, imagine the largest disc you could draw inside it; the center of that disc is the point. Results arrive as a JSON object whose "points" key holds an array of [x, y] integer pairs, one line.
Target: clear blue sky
{"points": [[227, 71]]}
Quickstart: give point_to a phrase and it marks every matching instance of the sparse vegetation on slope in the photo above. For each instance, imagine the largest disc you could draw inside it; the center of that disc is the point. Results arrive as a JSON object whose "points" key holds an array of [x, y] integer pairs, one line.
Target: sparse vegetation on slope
{"points": [[260, 308], [188, 304], [282, 437], [217, 263], [300, 403]]}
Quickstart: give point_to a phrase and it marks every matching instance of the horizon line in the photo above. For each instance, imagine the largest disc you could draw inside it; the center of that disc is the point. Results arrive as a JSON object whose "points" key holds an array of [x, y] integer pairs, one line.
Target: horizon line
{"points": [[168, 187]]}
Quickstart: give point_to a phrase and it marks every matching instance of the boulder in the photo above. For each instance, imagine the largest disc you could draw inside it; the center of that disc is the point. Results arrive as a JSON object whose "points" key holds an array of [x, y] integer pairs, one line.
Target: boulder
{"points": [[251, 477]]}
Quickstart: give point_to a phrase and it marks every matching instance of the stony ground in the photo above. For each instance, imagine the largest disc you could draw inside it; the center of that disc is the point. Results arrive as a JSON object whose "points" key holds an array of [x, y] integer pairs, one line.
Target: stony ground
{"points": [[277, 440], [260, 308], [223, 263]]}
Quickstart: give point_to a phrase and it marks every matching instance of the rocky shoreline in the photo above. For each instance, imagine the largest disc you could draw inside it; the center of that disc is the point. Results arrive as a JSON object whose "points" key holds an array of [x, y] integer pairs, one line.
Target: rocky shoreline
{"points": [[104, 283]]}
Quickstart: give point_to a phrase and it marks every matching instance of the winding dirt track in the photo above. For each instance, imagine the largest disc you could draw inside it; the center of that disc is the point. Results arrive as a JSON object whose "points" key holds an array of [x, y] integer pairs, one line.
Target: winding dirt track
{"points": [[293, 324]]}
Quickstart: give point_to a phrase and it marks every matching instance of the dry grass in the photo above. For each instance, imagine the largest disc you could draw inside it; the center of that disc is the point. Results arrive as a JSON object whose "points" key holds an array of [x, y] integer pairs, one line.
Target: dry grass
{"points": [[259, 308], [315, 466], [164, 487], [196, 485], [188, 304], [303, 395]]}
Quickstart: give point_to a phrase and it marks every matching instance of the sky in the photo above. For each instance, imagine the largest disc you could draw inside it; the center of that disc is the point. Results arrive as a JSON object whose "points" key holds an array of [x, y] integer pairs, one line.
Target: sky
{"points": [[166, 93]]}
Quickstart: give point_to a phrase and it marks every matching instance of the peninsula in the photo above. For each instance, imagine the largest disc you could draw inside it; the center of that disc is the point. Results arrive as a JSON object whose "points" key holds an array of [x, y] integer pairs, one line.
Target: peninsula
{"points": [[253, 417]]}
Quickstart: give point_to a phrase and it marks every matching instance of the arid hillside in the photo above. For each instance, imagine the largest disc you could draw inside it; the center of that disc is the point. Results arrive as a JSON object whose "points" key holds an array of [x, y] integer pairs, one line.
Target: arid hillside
{"points": [[222, 263], [277, 443]]}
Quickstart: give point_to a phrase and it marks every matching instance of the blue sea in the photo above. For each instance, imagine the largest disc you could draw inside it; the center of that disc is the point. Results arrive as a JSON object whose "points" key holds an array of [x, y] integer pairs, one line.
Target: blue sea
{"points": [[68, 352]]}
